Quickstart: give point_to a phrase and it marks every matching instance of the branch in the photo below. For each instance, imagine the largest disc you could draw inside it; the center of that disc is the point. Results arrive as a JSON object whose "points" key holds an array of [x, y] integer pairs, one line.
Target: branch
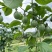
{"points": [[22, 8]]}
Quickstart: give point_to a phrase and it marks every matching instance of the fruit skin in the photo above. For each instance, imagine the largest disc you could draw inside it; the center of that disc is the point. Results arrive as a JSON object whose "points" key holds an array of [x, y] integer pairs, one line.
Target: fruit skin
{"points": [[34, 23], [17, 15], [25, 20], [1, 18], [48, 29], [41, 27]]}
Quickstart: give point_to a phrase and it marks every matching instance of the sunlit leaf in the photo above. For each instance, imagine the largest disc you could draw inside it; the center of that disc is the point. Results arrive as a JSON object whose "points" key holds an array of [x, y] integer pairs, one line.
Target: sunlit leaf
{"points": [[12, 3], [28, 7], [44, 47], [7, 10], [14, 23], [47, 40], [43, 2], [2, 4]]}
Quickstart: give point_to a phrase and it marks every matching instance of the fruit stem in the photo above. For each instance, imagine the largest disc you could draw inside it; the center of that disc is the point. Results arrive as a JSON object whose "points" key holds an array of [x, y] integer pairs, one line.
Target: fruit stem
{"points": [[23, 10], [16, 9], [32, 9], [36, 45], [24, 13]]}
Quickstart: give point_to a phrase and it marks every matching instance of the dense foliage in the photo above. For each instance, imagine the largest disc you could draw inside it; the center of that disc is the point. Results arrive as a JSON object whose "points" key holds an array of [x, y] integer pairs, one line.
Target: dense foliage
{"points": [[35, 18]]}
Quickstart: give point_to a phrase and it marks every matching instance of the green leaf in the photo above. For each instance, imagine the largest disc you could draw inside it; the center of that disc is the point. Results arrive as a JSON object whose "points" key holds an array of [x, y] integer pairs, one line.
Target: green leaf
{"points": [[1, 3], [47, 8], [27, 7], [44, 47], [31, 42], [5, 24], [51, 32], [22, 48], [47, 40], [40, 11], [14, 23], [7, 10], [43, 2], [12, 3], [26, 26], [30, 14], [45, 18], [18, 34], [36, 34]]}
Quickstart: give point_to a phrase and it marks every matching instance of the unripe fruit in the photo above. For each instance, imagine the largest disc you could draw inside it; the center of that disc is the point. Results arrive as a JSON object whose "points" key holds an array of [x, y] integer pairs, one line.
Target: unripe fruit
{"points": [[1, 18], [18, 15], [41, 27], [25, 20], [34, 23], [48, 29]]}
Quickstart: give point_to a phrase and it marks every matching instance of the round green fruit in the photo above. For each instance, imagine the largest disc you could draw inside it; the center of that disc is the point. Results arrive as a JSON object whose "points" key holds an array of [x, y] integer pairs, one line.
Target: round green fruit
{"points": [[48, 29], [1, 18], [41, 27], [34, 23], [25, 20], [17, 15]]}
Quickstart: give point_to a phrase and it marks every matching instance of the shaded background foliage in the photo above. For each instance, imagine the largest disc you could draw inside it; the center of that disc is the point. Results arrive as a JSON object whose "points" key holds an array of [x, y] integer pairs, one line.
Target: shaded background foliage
{"points": [[34, 18]]}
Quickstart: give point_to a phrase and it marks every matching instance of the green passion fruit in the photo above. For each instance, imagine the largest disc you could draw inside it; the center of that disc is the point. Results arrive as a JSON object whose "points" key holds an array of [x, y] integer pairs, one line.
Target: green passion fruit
{"points": [[41, 27], [1, 18], [18, 15], [25, 20], [34, 23], [48, 29]]}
